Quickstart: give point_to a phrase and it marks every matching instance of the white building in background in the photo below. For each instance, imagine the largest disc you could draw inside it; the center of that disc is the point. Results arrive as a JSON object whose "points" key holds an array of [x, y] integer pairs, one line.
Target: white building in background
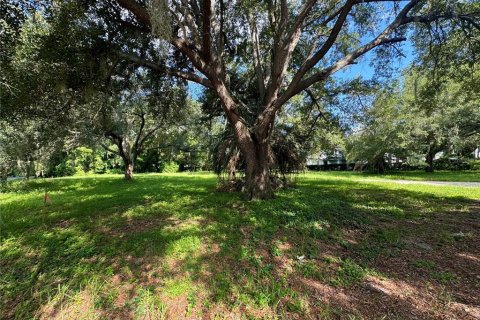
{"points": [[437, 156], [327, 161]]}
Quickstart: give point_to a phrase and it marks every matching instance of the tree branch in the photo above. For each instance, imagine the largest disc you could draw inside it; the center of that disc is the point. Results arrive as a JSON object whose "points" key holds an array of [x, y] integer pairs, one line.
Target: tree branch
{"points": [[108, 149], [137, 10], [207, 29], [173, 72], [298, 85], [312, 61], [182, 45], [283, 51], [136, 145], [256, 56], [149, 133]]}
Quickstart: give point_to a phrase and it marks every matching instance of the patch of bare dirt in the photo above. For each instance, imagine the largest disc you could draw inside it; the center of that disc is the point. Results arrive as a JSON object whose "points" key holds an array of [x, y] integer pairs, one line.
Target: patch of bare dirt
{"points": [[138, 225]]}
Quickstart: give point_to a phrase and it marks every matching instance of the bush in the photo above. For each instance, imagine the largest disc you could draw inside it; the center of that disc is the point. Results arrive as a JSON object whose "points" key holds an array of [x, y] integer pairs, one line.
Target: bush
{"points": [[451, 164], [84, 159], [64, 169], [149, 162], [474, 164], [114, 171], [170, 167]]}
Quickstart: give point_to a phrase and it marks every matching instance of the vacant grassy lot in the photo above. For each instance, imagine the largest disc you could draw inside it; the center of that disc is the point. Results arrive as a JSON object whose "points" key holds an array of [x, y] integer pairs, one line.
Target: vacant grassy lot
{"points": [[170, 246]]}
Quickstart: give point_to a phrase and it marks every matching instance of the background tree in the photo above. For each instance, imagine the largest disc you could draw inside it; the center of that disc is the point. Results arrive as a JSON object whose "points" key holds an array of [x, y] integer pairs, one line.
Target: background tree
{"points": [[419, 118], [380, 135], [133, 117]]}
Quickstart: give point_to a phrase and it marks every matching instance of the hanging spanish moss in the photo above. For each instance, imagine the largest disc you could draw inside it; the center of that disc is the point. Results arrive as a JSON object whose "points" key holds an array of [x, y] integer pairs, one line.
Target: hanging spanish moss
{"points": [[285, 161], [160, 19]]}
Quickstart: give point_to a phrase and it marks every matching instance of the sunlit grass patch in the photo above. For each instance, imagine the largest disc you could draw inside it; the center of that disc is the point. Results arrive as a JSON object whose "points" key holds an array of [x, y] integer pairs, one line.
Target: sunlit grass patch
{"points": [[457, 176], [182, 247], [148, 305], [174, 287]]}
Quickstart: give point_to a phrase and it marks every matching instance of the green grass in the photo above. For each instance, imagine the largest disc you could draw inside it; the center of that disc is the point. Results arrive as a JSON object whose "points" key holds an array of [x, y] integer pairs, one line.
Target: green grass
{"points": [[107, 247], [453, 176]]}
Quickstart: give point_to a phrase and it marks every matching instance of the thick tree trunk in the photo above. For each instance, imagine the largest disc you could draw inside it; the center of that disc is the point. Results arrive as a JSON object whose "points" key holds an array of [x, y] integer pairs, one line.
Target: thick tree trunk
{"points": [[232, 166], [381, 166], [254, 147], [128, 170], [429, 159], [258, 185]]}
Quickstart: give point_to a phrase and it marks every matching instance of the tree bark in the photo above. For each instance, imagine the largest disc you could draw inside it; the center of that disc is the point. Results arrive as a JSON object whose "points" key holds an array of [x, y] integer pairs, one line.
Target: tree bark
{"points": [[129, 170], [253, 145], [429, 160], [381, 166], [232, 166], [258, 185]]}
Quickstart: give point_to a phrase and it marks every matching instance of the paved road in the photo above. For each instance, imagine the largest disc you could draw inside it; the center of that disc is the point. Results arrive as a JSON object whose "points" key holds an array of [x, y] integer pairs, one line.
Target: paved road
{"points": [[438, 183]]}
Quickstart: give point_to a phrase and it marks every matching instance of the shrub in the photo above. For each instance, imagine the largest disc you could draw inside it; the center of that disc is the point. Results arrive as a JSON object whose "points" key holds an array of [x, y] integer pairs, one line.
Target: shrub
{"points": [[64, 169], [170, 167], [451, 164], [474, 164]]}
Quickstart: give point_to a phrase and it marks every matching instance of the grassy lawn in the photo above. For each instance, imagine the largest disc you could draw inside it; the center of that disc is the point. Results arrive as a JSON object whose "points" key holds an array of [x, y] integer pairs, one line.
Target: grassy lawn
{"points": [[168, 246], [454, 176]]}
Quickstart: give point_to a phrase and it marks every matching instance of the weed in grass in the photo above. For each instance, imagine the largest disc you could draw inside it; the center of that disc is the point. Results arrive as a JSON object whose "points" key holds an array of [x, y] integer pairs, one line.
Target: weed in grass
{"points": [[328, 312], [270, 293], [331, 260], [424, 264], [221, 287], [445, 296], [309, 269], [275, 249], [349, 273], [387, 236], [444, 277], [244, 253], [369, 251], [298, 305], [446, 237], [177, 287], [108, 298], [265, 271], [460, 236], [325, 312], [191, 302], [149, 305], [381, 243]]}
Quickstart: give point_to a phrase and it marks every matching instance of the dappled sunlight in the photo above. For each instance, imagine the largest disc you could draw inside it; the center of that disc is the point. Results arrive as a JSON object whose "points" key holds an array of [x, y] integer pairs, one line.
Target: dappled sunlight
{"points": [[330, 295], [164, 245], [63, 305], [381, 209], [421, 299], [472, 258]]}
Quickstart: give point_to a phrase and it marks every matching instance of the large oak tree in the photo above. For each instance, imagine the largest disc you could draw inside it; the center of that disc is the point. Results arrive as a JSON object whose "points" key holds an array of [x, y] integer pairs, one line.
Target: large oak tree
{"points": [[290, 45]]}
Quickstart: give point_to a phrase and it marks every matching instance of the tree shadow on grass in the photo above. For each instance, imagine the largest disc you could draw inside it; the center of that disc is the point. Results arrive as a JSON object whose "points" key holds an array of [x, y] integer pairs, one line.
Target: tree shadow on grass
{"points": [[321, 248], [375, 232]]}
